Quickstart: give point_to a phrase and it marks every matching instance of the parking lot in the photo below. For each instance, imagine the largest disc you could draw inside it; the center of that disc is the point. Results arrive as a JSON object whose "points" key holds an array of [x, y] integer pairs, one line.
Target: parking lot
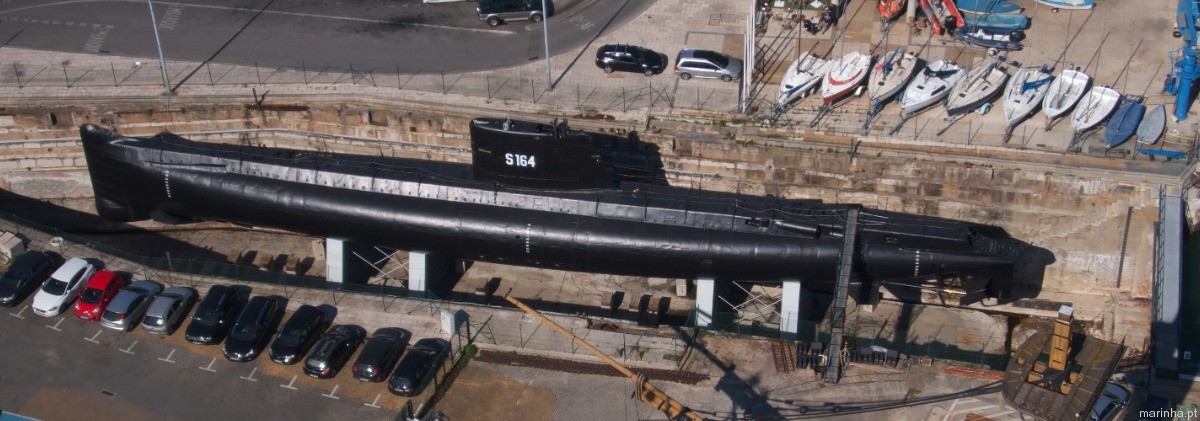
{"points": [[105, 374]]}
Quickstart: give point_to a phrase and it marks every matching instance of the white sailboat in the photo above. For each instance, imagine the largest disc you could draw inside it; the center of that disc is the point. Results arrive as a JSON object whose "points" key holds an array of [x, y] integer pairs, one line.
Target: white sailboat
{"points": [[802, 77], [1025, 92], [890, 75], [981, 85], [1064, 92], [1095, 107], [929, 86]]}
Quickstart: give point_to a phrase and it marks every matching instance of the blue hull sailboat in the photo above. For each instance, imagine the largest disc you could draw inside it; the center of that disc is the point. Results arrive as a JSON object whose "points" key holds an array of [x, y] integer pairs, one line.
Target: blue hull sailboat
{"points": [[1124, 122], [983, 7], [1006, 21]]}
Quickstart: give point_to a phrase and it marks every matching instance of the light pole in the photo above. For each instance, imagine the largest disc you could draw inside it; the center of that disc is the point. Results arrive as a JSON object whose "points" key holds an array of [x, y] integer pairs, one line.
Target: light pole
{"points": [[546, 43], [162, 64]]}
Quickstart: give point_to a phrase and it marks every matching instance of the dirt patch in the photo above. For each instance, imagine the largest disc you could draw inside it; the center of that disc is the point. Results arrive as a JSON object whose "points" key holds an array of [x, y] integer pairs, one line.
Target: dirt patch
{"points": [[477, 387], [47, 404]]}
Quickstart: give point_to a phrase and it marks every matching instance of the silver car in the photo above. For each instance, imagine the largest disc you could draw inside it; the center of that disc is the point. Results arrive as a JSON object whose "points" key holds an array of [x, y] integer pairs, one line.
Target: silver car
{"points": [[168, 310], [707, 64], [124, 311]]}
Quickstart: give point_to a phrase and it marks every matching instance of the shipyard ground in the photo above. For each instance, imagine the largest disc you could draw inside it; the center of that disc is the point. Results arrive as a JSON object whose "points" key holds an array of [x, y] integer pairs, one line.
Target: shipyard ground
{"points": [[1094, 210]]}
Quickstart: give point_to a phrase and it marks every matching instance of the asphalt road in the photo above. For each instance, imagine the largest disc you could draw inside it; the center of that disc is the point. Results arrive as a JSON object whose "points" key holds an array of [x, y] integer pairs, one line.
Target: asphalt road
{"points": [[381, 36], [65, 369]]}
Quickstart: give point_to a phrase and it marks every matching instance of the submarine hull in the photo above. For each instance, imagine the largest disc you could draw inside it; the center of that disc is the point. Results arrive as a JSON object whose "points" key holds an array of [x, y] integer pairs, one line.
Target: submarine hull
{"points": [[621, 232]]}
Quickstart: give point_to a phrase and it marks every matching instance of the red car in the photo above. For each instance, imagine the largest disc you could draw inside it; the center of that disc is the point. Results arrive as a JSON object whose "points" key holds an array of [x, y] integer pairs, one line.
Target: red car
{"points": [[95, 296]]}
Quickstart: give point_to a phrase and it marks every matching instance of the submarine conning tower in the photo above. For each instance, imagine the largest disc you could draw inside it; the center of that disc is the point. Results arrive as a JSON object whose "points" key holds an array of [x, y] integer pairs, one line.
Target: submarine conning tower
{"points": [[536, 155]]}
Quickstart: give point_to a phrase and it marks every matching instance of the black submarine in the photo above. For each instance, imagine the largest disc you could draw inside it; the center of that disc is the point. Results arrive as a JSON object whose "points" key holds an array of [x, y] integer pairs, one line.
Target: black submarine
{"points": [[536, 195]]}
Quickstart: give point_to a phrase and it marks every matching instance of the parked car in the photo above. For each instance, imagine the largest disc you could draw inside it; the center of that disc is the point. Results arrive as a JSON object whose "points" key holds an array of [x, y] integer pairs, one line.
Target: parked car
{"points": [[1110, 402], [630, 58], [298, 335], [410, 376], [25, 274], [707, 64], [131, 302], [213, 316], [62, 287], [333, 350], [380, 354], [168, 309], [495, 12], [96, 295], [252, 330]]}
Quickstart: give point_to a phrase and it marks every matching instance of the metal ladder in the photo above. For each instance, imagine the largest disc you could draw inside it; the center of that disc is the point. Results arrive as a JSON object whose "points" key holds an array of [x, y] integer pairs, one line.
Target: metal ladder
{"points": [[837, 322]]}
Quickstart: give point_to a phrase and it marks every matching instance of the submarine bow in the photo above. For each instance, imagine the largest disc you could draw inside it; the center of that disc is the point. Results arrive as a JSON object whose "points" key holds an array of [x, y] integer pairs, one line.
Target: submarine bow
{"points": [[583, 221]]}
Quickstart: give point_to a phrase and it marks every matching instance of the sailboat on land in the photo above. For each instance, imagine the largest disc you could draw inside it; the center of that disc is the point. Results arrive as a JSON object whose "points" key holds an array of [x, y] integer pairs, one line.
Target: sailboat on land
{"points": [[802, 77], [1065, 91], [1124, 121], [890, 75], [1095, 108], [844, 75], [981, 85], [1152, 125], [1025, 92], [930, 86]]}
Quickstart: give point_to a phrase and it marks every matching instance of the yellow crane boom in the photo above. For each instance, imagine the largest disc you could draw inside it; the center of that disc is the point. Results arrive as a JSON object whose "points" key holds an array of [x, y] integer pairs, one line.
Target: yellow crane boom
{"points": [[646, 391]]}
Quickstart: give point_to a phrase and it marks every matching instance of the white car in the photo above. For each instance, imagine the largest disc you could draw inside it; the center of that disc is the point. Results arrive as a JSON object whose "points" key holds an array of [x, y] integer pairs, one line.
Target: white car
{"points": [[62, 287]]}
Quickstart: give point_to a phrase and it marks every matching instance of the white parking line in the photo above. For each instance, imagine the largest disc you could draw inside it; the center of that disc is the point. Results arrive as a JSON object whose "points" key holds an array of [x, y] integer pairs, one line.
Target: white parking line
{"points": [[130, 349], [18, 314], [375, 403], [55, 327], [210, 364], [93, 338], [331, 392], [168, 359], [251, 376], [289, 385]]}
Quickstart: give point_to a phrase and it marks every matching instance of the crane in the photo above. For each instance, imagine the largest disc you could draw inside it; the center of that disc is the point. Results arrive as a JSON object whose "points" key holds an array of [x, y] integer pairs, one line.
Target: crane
{"points": [[646, 392], [1185, 69]]}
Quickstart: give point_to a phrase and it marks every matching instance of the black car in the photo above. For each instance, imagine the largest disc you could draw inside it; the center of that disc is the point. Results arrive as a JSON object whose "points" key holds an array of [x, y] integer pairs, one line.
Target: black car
{"points": [[298, 335], [26, 273], [380, 354], [410, 375], [333, 350], [630, 58], [253, 329], [214, 316]]}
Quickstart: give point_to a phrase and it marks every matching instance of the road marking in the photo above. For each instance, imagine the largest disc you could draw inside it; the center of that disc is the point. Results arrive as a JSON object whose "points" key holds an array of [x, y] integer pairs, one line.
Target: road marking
{"points": [[331, 392], [210, 364], [168, 359], [251, 376], [374, 404], [55, 327], [289, 385], [93, 338], [18, 314], [130, 349]]}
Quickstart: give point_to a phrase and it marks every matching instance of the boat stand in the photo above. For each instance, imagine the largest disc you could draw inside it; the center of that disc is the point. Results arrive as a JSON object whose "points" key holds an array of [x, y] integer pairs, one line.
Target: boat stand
{"points": [[871, 116], [903, 118], [1050, 122], [950, 122], [1008, 131], [828, 108], [1077, 140]]}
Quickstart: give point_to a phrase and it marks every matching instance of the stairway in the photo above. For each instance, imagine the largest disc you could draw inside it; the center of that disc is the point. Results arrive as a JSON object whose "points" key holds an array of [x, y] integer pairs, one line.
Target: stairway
{"points": [[837, 321]]}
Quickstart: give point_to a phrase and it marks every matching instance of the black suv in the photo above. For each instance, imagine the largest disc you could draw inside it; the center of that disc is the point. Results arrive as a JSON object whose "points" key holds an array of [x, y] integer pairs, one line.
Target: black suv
{"points": [[630, 58], [26, 273], [253, 329], [333, 350], [380, 354], [213, 316], [298, 335], [410, 375]]}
